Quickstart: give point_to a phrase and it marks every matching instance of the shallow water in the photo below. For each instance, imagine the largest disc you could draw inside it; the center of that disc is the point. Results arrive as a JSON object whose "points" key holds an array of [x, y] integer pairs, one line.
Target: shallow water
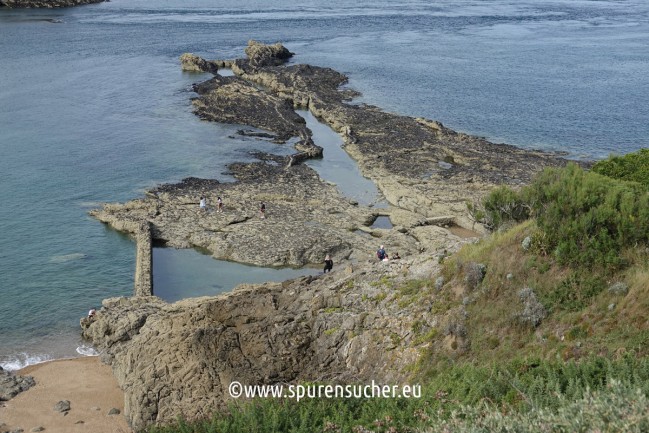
{"points": [[95, 108], [336, 165], [180, 274]]}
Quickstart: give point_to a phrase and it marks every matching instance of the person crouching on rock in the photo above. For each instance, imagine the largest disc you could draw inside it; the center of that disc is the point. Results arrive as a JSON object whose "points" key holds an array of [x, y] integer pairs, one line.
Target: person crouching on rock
{"points": [[381, 254], [328, 264]]}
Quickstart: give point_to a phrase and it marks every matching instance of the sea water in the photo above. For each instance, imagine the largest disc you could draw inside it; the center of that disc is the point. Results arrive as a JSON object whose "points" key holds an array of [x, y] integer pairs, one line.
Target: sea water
{"points": [[94, 108]]}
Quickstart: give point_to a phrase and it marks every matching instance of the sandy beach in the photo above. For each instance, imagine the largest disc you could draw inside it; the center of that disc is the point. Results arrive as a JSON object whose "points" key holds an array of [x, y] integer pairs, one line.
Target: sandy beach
{"points": [[88, 384]]}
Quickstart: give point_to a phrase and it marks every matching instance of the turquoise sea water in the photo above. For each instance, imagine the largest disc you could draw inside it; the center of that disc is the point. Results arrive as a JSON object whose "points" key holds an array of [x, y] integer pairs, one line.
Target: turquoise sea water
{"points": [[94, 108]]}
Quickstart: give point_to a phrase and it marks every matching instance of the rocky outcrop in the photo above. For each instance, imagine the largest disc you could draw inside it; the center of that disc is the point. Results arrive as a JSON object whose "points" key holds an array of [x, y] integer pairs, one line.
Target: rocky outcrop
{"points": [[351, 325], [261, 55], [418, 164], [192, 63], [348, 326], [45, 3], [11, 385], [305, 219]]}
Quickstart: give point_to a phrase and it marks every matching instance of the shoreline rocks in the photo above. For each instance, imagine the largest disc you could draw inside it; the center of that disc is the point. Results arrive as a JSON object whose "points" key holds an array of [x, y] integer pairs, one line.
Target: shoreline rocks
{"points": [[343, 327], [347, 326], [28, 4], [11, 385]]}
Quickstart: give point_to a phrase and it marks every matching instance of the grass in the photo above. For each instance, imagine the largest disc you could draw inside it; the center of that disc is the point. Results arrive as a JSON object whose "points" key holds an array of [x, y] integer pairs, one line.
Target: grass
{"points": [[521, 393]]}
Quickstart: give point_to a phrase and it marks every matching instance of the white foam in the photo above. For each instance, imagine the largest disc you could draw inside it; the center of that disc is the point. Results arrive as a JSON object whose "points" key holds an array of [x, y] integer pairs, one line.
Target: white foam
{"points": [[67, 258], [23, 360], [87, 350]]}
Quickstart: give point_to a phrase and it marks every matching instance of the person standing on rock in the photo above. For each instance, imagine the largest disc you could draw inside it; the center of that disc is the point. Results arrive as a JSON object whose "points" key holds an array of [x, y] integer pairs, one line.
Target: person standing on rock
{"points": [[219, 204], [262, 210], [202, 205], [328, 264]]}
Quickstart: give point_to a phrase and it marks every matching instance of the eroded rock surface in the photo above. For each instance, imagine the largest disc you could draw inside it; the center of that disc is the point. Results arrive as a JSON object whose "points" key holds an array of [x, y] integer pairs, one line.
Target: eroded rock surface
{"points": [[45, 3], [351, 325], [306, 218], [11, 385], [418, 164], [343, 327]]}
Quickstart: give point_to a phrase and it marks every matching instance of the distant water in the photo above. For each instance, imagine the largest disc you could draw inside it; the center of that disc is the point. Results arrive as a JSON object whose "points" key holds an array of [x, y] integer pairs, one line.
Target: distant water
{"points": [[94, 108]]}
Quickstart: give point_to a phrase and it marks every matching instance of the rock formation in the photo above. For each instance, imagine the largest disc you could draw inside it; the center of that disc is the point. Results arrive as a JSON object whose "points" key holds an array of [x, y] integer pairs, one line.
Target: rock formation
{"points": [[342, 327], [45, 3], [351, 325], [11, 385]]}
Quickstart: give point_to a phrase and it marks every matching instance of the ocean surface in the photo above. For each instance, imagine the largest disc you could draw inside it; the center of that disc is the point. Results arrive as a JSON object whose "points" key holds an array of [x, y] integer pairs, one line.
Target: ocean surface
{"points": [[94, 108]]}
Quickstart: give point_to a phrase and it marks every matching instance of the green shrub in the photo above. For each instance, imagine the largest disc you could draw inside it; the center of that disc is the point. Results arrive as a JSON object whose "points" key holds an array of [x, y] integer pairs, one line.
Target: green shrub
{"points": [[588, 219], [584, 218], [574, 293], [631, 167], [502, 205], [620, 408]]}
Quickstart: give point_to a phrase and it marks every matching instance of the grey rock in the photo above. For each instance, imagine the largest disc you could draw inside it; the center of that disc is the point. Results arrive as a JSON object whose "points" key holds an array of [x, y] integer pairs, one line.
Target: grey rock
{"points": [[611, 306], [527, 243], [533, 311], [439, 282], [62, 406], [619, 288], [510, 276], [304, 329], [11, 385], [114, 411], [37, 429], [192, 63], [45, 3], [474, 273]]}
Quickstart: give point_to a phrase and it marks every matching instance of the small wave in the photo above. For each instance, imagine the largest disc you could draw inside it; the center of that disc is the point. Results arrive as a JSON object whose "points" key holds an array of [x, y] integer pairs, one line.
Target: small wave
{"points": [[87, 350], [23, 360], [67, 258], [91, 204]]}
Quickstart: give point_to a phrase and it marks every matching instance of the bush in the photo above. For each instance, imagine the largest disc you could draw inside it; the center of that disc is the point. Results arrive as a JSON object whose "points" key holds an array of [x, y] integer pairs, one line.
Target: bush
{"points": [[631, 167], [585, 219], [502, 205], [588, 219]]}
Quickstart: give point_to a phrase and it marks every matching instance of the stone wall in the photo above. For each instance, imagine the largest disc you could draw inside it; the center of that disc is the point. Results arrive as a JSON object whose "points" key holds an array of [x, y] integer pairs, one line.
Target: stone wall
{"points": [[143, 261]]}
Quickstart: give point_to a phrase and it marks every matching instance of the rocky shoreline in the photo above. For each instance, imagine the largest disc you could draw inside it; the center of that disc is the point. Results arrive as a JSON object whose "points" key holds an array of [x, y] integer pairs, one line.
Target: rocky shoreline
{"points": [[351, 325], [28, 4]]}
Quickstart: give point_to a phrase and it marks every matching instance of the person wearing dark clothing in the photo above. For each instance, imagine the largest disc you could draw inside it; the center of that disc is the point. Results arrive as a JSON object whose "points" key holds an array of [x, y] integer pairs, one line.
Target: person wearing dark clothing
{"points": [[381, 254], [329, 264]]}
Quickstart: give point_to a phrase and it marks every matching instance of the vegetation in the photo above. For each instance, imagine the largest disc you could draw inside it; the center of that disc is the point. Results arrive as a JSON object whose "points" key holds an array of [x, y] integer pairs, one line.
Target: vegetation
{"points": [[631, 167], [464, 397], [584, 219]]}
